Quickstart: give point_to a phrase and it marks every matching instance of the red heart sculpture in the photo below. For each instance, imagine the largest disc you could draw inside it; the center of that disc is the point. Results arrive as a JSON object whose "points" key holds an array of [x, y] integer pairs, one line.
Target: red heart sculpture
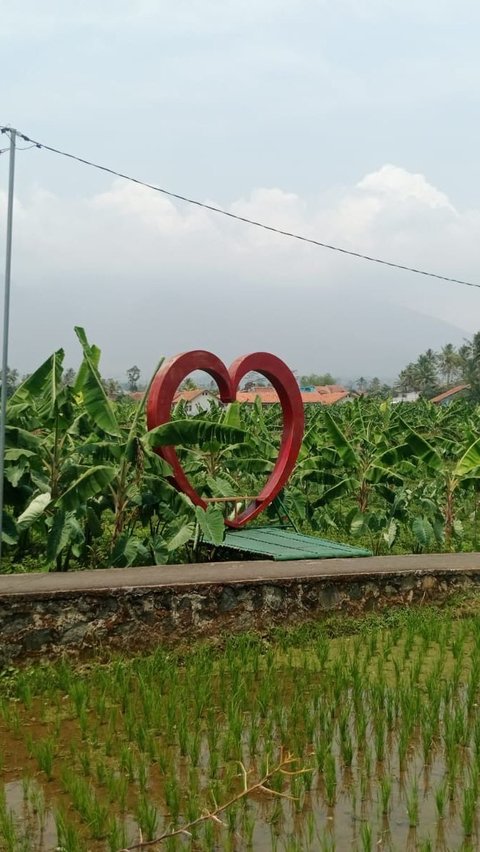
{"points": [[172, 373]]}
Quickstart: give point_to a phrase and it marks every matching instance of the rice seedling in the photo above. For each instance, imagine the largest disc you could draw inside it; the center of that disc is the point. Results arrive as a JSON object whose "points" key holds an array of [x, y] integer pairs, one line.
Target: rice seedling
{"points": [[147, 817], [330, 779], [468, 811], [385, 794], [366, 837], [369, 706], [68, 837], [44, 752], [412, 805], [440, 800]]}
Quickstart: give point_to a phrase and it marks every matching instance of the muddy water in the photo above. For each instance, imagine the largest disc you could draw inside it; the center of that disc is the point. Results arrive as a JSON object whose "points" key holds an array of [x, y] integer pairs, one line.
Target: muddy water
{"points": [[100, 743]]}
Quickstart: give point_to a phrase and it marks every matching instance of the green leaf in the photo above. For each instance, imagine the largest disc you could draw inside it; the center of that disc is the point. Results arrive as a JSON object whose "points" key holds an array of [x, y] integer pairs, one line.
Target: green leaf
{"points": [[221, 487], [184, 534], [159, 549], [458, 528], [34, 511], [128, 550], [358, 524], [94, 524], [422, 530], [231, 416], [211, 523], [345, 486], [470, 460], [93, 354], [14, 473], [87, 485], [57, 536], [390, 533], [43, 383], [9, 530], [423, 451], [93, 393], [344, 448], [15, 453], [193, 432]]}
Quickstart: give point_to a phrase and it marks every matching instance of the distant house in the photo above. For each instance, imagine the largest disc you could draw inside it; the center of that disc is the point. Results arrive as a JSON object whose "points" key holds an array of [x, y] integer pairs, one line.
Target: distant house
{"points": [[407, 396], [325, 395], [197, 400], [449, 396]]}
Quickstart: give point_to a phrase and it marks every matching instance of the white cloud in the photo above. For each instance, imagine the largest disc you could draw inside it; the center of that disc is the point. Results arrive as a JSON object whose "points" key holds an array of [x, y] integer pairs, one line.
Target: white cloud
{"points": [[129, 230], [393, 184], [126, 259]]}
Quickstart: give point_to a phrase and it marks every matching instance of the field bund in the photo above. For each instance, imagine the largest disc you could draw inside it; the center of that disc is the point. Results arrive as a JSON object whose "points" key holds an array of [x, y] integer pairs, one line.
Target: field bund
{"points": [[129, 608]]}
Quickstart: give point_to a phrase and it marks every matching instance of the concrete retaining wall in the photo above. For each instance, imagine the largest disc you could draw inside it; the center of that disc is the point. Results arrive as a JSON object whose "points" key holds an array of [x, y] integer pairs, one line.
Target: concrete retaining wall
{"points": [[54, 621]]}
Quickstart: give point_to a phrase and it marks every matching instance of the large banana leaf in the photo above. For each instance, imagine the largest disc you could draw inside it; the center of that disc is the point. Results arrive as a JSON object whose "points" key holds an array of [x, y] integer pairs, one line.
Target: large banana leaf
{"points": [[470, 461], [423, 451], [340, 442], [192, 432], [33, 512], [41, 388], [93, 393], [87, 485]]}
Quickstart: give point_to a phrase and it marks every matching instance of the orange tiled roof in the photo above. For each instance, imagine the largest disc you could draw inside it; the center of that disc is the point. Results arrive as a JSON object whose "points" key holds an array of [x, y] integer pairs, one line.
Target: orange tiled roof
{"points": [[188, 395], [451, 392], [268, 396]]}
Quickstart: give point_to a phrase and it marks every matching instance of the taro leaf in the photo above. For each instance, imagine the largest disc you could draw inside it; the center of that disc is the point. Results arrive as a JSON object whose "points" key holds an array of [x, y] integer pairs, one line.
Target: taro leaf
{"points": [[159, 549], [191, 432], [422, 530], [34, 511], [93, 393], [358, 524], [184, 534], [211, 523], [87, 485], [390, 533], [128, 550]]}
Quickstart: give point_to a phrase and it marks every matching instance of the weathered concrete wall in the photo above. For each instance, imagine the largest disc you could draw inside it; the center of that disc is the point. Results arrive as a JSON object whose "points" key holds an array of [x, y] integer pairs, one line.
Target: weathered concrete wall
{"points": [[134, 617]]}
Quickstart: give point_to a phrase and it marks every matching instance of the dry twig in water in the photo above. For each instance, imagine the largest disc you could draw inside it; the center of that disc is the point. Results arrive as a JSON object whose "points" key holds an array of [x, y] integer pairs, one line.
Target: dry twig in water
{"points": [[286, 760]]}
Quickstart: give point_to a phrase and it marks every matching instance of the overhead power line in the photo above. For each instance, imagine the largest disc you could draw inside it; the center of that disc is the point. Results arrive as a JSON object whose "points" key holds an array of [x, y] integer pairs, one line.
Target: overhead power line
{"points": [[214, 209]]}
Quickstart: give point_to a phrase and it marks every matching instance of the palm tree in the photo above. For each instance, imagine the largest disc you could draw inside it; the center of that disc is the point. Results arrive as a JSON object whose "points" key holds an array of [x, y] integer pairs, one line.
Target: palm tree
{"points": [[448, 361], [425, 371]]}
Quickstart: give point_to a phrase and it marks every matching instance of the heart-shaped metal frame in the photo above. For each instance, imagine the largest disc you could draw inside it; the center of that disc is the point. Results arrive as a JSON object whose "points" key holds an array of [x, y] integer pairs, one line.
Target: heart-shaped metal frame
{"points": [[165, 386]]}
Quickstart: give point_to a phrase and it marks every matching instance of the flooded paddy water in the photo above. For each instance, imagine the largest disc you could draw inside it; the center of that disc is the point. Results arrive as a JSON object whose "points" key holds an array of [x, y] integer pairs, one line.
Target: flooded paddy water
{"points": [[382, 725]]}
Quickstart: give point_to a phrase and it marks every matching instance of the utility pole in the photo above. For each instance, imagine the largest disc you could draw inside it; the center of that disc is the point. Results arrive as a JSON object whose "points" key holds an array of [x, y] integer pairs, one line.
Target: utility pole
{"points": [[6, 321]]}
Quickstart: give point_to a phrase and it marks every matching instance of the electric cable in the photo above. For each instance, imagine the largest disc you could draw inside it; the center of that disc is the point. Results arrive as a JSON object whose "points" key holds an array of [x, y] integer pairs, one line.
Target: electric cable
{"points": [[214, 209]]}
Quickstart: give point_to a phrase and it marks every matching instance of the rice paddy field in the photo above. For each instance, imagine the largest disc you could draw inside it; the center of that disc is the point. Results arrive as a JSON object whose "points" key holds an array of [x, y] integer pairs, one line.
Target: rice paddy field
{"points": [[344, 734]]}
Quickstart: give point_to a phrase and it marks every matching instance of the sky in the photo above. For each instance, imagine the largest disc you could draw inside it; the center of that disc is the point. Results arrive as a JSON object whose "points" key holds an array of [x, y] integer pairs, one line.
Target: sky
{"points": [[354, 122]]}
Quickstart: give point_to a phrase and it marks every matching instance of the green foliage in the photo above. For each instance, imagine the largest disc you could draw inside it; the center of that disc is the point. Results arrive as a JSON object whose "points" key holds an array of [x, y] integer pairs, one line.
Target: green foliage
{"points": [[85, 486]]}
